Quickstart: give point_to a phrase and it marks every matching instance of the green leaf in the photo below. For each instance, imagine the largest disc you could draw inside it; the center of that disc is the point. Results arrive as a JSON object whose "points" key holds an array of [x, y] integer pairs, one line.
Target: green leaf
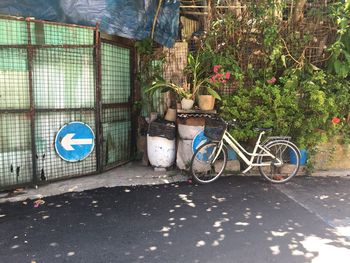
{"points": [[347, 56], [213, 93], [158, 77], [314, 67], [344, 71], [337, 66], [166, 89], [190, 59], [283, 58]]}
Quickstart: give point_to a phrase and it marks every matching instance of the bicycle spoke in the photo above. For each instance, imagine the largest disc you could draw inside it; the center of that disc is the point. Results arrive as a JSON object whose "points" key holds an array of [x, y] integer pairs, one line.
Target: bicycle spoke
{"points": [[279, 169], [207, 163]]}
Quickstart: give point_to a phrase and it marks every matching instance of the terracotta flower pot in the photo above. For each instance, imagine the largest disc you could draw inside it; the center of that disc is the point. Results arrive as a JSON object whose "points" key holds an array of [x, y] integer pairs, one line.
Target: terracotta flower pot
{"points": [[170, 115], [187, 104], [206, 102]]}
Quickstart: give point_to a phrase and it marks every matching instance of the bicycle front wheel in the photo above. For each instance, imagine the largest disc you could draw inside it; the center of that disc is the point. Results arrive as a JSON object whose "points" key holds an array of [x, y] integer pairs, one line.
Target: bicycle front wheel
{"points": [[208, 163], [283, 166]]}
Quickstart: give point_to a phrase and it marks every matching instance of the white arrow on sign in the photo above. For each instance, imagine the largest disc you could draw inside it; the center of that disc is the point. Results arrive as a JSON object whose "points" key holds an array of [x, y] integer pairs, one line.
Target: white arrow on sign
{"points": [[68, 141]]}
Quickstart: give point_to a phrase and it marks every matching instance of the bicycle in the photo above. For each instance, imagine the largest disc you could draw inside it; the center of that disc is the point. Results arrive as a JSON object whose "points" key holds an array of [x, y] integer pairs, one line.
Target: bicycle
{"points": [[272, 156]]}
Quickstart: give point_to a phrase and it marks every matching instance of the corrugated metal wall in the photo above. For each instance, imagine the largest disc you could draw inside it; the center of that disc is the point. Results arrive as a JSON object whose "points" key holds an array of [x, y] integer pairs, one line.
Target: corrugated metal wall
{"points": [[52, 74]]}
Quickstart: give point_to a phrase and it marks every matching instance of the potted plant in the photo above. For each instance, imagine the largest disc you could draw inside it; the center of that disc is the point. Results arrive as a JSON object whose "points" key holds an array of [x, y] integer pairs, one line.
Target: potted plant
{"points": [[185, 94], [201, 85]]}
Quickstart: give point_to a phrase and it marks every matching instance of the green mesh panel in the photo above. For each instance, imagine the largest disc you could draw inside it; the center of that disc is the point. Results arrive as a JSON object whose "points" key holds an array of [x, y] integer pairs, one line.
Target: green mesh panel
{"points": [[116, 125], [14, 83], [115, 74], [15, 149], [50, 34], [64, 78], [13, 32]]}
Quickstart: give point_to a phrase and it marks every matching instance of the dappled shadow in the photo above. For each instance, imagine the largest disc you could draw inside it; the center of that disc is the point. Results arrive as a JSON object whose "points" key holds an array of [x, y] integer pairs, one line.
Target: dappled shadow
{"points": [[233, 220], [328, 198]]}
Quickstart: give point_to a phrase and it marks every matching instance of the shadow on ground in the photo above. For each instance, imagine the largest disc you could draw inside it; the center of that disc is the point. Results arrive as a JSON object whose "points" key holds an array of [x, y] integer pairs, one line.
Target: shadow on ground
{"points": [[237, 219]]}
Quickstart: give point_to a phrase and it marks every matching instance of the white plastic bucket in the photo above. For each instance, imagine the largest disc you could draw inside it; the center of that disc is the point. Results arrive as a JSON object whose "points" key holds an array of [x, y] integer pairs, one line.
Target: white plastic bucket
{"points": [[161, 151]]}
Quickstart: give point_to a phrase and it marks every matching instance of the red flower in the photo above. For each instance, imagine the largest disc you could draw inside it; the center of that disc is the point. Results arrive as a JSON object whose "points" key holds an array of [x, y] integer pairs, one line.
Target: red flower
{"points": [[335, 120], [271, 81], [212, 79], [228, 75], [216, 68]]}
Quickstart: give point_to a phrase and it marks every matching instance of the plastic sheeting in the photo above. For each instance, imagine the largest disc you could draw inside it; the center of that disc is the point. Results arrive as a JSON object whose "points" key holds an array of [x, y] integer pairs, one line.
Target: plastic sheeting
{"points": [[127, 18]]}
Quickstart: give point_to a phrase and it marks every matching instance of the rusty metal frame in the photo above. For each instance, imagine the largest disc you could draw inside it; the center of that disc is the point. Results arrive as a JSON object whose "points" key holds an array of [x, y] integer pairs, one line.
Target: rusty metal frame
{"points": [[98, 103], [45, 46], [135, 96], [30, 56]]}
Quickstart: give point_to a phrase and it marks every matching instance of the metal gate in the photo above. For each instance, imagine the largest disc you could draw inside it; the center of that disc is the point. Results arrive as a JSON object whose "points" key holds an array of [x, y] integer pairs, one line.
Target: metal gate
{"points": [[52, 74], [115, 101]]}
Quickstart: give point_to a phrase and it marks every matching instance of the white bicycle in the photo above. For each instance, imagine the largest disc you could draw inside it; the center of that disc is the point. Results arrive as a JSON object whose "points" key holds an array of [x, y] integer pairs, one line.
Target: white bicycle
{"points": [[277, 158]]}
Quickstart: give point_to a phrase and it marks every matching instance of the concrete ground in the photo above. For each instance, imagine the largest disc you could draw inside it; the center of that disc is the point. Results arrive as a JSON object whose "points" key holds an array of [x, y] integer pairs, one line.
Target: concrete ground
{"points": [[130, 174], [127, 175]]}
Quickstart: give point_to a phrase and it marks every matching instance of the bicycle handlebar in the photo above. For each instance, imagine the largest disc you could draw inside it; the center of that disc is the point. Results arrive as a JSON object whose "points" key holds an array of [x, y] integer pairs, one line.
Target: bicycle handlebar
{"points": [[231, 123]]}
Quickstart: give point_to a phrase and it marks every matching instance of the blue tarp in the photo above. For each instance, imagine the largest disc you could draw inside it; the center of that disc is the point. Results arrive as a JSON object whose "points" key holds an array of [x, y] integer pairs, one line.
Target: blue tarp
{"points": [[127, 18]]}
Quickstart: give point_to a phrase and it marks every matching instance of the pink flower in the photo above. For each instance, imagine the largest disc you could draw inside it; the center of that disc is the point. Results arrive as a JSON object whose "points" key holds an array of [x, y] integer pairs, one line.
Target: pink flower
{"points": [[228, 75], [223, 81], [271, 81], [335, 120], [216, 68]]}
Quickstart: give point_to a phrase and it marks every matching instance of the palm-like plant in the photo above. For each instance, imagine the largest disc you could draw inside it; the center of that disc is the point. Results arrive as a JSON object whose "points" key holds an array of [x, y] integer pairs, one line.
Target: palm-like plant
{"points": [[198, 75], [161, 84], [199, 81]]}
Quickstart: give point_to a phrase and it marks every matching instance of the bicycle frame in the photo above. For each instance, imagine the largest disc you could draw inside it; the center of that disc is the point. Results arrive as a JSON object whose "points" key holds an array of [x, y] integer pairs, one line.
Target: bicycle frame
{"points": [[243, 153]]}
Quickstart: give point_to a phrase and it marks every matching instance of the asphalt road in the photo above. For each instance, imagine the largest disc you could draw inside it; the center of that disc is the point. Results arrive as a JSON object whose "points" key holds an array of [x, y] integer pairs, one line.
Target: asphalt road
{"points": [[236, 219]]}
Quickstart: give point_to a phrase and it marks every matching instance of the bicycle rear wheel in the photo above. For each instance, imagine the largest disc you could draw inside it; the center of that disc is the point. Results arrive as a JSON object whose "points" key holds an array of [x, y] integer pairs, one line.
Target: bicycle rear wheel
{"points": [[207, 163], [280, 169]]}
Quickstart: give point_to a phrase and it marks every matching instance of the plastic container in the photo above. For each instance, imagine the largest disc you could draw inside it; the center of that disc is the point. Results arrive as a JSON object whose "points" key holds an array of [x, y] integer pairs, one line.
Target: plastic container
{"points": [[162, 128], [170, 115], [303, 157], [161, 151], [206, 102], [188, 132], [187, 104]]}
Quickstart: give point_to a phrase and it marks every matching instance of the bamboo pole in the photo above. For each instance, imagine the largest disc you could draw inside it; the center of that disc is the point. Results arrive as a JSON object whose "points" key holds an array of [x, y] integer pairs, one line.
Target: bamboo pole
{"points": [[299, 11], [156, 17]]}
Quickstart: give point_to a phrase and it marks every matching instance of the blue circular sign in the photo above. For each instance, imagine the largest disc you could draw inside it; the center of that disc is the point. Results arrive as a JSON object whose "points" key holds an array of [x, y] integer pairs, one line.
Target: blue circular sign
{"points": [[74, 141], [198, 140]]}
